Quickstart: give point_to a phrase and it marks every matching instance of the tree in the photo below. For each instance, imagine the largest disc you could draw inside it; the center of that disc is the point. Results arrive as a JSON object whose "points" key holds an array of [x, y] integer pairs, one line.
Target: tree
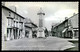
{"points": [[46, 32], [52, 31]]}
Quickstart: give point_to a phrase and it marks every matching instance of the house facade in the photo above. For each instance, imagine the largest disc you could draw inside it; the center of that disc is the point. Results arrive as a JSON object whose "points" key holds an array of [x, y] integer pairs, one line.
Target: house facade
{"points": [[73, 23], [69, 28], [30, 29], [12, 24]]}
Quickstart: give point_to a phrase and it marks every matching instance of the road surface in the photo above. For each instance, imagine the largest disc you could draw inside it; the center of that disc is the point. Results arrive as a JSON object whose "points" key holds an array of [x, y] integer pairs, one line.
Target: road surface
{"points": [[49, 43]]}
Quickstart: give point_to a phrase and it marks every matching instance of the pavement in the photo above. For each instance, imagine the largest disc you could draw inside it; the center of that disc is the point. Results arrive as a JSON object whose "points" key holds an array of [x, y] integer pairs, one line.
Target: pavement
{"points": [[72, 39], [49, 43]]}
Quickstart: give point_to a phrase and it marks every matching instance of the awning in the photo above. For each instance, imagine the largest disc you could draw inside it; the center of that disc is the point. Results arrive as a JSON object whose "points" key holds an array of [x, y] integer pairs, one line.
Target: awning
{"points": [[64, 30]]}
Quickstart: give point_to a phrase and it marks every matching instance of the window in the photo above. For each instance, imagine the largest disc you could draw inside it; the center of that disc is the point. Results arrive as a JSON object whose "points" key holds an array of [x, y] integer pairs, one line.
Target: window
{"points": [[76, 34], [20, 19], [17, 24], [14, 23], [9, 13], [21, 25], [14, 16], [17, 17], [10, 32], [66, 24], [70, 34], [69, 22], [9, 22]]}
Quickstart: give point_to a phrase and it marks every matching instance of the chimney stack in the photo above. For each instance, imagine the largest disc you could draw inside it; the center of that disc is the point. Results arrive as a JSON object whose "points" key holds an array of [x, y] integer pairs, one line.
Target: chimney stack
{"points": [[66, 18]]}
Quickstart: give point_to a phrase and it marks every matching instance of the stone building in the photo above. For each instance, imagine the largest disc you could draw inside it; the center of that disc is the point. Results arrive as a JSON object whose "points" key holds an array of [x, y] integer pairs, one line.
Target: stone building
{"points": [[69, 28], [73, 25], [30, 28]]}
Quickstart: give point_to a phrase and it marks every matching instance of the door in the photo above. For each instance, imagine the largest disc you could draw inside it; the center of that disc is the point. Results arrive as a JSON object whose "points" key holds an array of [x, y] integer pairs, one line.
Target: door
{"points": [[14, 33]]}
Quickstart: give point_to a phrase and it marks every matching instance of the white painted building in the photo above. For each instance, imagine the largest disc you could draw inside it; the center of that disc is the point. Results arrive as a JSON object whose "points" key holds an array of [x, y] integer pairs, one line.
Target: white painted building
{"points": [[12, 24]]}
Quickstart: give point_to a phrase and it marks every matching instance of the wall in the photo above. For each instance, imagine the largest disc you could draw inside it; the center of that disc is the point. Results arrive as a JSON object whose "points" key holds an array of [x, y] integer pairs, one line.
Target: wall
{"points": [[30, 32], [58, 29], [74, 21], [4, 27], [75, 24], [5, 14], [65, 24]]}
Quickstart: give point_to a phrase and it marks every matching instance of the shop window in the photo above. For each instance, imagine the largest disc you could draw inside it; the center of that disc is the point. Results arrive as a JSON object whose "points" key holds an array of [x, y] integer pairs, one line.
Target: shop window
{"points": [[70, 34], [10, 32], [76, 34]]}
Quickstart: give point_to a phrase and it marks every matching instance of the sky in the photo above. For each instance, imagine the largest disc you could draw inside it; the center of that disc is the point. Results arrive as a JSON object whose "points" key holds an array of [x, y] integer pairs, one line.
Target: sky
{"points": [[55, 12]]}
